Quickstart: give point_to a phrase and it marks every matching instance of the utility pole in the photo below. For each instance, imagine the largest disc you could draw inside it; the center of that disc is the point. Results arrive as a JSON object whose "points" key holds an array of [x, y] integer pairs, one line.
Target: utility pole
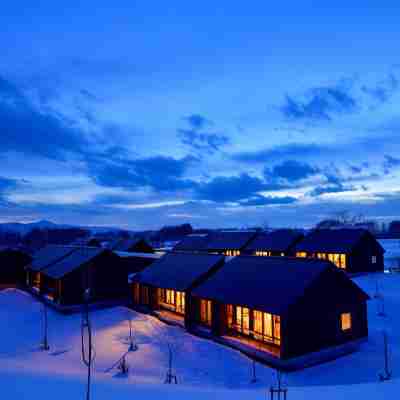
{"points": [[45, 344], [387, 373]]}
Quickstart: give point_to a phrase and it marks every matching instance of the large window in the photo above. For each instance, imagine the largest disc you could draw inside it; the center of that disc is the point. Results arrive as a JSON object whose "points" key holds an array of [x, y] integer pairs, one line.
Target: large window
{"points": [[345, 322], [232, 253], [261, 253], [259, 325], [206, 312], [301, 254], [338, 259], [172, 300]]}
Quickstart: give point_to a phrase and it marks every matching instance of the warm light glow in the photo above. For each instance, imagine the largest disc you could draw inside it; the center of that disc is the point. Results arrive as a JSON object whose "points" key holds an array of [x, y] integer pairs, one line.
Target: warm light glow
{"points": [[263, 253], [232, 253], [266, 327], [206, 312], [301, 254], [338, 259], [172, 300], [345, 321]]}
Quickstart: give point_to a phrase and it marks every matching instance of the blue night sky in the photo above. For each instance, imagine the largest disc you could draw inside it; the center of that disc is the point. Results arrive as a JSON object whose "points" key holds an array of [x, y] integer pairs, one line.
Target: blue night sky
{"points": [[142, 114]]}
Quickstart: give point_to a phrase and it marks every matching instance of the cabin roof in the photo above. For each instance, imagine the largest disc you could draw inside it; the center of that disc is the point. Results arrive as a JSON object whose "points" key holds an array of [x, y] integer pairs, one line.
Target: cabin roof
{"points": [[72, 261], [178, 271], [48, 255], [279, 240], [125, 245], [229, 240], [269, 284], [130, 254], [192, 243], [332, 240]]}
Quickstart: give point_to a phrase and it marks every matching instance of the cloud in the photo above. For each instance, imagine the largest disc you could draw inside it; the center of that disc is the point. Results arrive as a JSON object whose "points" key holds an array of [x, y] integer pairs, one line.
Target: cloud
{"points": [[230, 189], [384, 90], [291, 171], [197, 121], [334, 188], [28, 130], [200, 140], [268, 200], [390, 163], [319, 104], [159, 173], [286, 151]]}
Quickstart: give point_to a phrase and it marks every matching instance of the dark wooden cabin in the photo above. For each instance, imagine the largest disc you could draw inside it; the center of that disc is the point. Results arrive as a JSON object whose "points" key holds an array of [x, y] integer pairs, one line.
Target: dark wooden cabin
{"points": [[65, 281], [133, 245], [289, 312], [281, 242], [166, 284], [12, 266], [353, 250], [42, 259], [192, 244], [229, 243]]}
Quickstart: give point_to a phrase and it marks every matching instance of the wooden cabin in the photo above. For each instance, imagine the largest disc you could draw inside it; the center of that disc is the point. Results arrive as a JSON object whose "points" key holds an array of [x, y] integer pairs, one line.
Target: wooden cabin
{"points": [[12, 266], [60, 274], [353, 250], [281, 242], [132, 245], [229, 243], [164, 287], [65, 281], [42, 259], [288, 312], [192, 244]]}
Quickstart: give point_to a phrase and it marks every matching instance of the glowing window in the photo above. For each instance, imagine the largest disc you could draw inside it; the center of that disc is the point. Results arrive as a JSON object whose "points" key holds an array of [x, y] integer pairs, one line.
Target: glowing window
{"points": [[206, 312], [345, 321], [301, 254], [373, 259]]}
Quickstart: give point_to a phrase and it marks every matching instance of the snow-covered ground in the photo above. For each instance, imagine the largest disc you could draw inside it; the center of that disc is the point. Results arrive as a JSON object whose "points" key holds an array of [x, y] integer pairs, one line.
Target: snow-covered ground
{"points": [[392, 254], [205, 370]]}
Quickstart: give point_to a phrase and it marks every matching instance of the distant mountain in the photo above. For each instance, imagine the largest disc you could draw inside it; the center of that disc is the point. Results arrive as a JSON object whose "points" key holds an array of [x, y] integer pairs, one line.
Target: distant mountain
{"points": [[24, 228]]}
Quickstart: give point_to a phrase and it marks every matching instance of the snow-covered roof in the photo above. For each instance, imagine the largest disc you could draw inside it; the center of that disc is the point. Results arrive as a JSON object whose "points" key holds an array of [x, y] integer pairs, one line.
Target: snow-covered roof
{"points": [[279, 240], [49, 255], [178, 271], [125, 254]]}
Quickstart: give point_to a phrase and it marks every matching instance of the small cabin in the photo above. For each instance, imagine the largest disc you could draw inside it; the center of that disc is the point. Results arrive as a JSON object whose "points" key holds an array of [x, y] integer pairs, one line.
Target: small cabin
{"points": [[229, 243], [353, 250], [12, 266], [60, 274], [192, 244], [42, 259], [283, 311], [132, 245], [165, 286], [281, 242]]}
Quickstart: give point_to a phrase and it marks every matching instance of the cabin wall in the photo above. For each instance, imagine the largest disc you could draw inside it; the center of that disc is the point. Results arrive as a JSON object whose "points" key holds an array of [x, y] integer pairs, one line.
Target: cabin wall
{"points": [[360, 259], [314, 323], [12, 265]]}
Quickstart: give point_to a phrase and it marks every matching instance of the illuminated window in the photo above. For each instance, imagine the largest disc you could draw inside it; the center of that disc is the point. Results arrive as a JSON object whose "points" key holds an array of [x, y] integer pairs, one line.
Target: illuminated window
{"points": [[136, 293], [206, 312], [37, 280], [282, 254], [229, 315], [373, 259], [301, 254], [345, 321], [265, 327], [172, 300]]}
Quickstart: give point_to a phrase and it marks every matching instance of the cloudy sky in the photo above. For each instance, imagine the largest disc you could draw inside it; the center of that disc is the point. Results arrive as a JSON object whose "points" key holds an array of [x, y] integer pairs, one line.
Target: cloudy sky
{"points": [[140, 114]]}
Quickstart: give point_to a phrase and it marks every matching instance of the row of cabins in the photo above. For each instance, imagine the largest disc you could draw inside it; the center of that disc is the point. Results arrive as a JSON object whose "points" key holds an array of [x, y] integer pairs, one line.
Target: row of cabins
{"points": [[353, 250], [284, 311]]}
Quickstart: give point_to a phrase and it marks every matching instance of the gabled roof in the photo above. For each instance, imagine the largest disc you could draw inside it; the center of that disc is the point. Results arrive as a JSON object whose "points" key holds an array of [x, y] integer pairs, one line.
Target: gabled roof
{"points": [[178, 271], [269, 284], [279, 240], [192, 243], [235, 240], [49, 255], [332, 240], [129, 244], [72, 261]]}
